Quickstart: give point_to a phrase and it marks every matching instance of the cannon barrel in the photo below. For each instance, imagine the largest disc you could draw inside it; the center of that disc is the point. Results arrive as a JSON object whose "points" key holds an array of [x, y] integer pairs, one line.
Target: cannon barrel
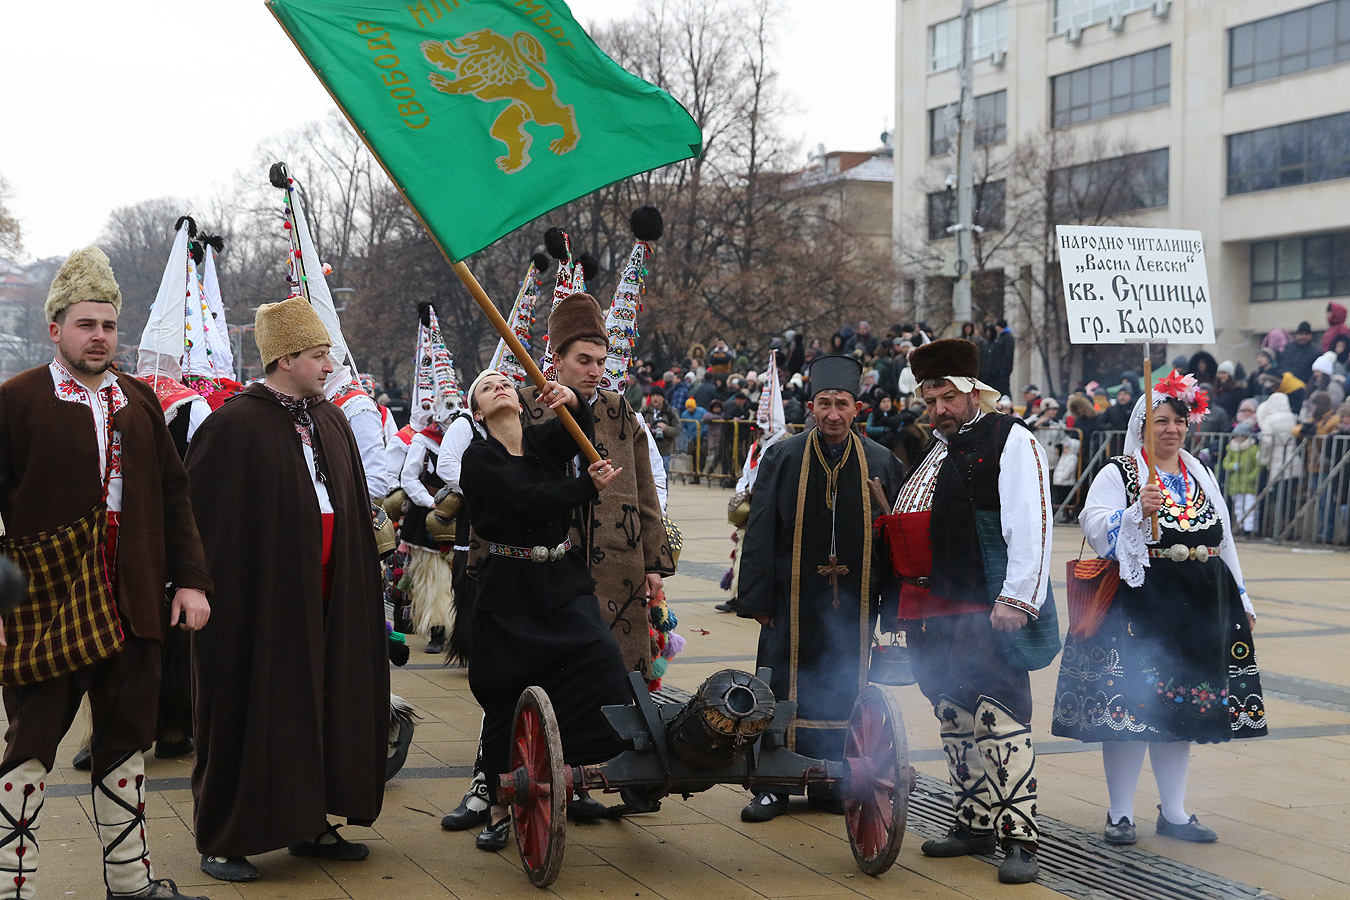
{"points": [[727, 714]]}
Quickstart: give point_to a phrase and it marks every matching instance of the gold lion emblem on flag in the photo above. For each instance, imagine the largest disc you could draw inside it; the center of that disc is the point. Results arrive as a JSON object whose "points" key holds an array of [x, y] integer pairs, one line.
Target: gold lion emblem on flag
{"points": [[490, 67]]}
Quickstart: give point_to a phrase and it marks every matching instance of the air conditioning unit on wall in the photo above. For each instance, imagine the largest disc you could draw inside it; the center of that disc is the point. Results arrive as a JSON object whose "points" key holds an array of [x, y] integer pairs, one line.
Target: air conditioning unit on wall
{"points": [[1116, 22], [1161, 8], [998, 58], [1074, 35]]}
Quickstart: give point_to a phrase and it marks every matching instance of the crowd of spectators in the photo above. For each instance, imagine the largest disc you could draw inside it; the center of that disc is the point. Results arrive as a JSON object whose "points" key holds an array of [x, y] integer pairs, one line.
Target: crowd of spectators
{"points": [[1258, 428]]}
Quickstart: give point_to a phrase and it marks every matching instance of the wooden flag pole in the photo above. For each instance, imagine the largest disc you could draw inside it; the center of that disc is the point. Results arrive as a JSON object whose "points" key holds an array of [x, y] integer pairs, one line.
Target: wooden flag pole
{"points": [[461, 270], [1148, 426], [518, 349]]}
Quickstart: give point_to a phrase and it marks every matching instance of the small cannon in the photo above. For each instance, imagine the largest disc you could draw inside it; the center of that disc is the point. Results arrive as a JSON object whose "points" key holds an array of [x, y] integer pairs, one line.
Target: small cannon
{"points": [[732, 731]]}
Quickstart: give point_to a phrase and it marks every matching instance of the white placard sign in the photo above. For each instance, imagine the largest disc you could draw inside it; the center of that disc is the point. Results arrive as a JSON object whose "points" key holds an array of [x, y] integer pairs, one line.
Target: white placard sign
{"points": [[1132, 285]]}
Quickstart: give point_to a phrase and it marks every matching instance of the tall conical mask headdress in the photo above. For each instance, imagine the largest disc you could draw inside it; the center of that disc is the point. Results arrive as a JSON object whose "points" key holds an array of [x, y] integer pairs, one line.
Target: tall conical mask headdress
{"points": [[571, 279], [222, 352], [522, 319], [162, 347], [305, 275], [621, 320]]}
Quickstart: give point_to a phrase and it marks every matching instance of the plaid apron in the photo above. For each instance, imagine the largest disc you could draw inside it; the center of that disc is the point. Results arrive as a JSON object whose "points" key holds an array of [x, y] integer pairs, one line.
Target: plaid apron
{"points": [[69, 620]]}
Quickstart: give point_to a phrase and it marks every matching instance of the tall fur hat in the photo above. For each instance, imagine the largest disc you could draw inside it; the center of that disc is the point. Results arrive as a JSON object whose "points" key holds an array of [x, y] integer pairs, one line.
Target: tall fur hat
{"points": [[290, 326], [86, 275], [576, 316], [940, 359]]}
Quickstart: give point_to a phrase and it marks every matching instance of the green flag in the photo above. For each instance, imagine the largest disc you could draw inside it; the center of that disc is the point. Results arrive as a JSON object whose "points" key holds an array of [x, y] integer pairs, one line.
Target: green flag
{"points": [[485, 113]]}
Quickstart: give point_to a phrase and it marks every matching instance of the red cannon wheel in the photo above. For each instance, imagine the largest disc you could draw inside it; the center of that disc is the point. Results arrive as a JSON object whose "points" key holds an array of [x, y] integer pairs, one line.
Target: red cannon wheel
{"points": [[876, 797], [539, 806]]}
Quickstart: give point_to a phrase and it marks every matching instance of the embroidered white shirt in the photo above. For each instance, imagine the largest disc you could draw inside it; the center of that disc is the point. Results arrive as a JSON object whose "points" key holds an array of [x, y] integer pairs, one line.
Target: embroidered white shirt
{"points": [[1024, 504], [104, 402]]}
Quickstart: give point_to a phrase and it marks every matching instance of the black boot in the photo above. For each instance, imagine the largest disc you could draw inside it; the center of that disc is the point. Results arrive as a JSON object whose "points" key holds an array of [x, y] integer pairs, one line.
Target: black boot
{"points": [[961, 841], [437, 642]]}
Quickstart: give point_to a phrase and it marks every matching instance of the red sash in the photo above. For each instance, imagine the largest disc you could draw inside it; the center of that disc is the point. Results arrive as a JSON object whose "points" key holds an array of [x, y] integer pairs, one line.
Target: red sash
{"points": [[907, 537], [327, 555]]}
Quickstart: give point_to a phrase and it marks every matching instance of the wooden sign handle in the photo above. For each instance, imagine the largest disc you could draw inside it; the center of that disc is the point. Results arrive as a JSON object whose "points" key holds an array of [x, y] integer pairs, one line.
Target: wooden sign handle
{"points": [[1148, 427]]}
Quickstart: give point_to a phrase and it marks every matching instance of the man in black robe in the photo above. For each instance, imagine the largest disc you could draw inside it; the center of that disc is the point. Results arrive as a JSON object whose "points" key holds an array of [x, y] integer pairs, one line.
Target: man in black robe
{"points": [[292, 677], [811, 570]]}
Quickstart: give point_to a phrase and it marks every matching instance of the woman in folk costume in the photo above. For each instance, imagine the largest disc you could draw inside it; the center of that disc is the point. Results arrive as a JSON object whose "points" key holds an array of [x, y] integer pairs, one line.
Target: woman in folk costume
{"points": [[436, 396], [536, 619], [1172, 661], [771, 427]]}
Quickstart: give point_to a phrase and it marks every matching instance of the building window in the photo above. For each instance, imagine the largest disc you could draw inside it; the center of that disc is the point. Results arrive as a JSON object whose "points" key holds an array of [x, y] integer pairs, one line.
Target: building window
{"points": [[1116, 86], [991, 123], [1297, 153], [989, 32], [1301, 268], [1295, 41], [1109, 187], [988, 209], [1082, 13]]}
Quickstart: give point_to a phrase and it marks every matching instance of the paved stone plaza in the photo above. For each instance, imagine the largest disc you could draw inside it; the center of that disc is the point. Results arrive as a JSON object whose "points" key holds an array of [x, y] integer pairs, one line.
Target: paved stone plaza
{"points": [[1279, 804]]}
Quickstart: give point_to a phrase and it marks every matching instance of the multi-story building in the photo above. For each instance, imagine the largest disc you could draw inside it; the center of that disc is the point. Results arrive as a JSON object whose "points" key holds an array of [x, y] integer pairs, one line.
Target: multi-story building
{"points": [[1236, 114]]}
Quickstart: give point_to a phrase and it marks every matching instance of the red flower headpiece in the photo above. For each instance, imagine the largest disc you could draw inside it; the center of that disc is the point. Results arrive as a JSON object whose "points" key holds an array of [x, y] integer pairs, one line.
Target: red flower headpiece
{"points": [[1177, 386]]}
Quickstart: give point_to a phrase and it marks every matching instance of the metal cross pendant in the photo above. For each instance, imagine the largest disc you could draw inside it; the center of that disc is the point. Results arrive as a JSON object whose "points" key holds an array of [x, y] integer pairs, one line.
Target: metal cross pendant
{"points": [[832, 572]]}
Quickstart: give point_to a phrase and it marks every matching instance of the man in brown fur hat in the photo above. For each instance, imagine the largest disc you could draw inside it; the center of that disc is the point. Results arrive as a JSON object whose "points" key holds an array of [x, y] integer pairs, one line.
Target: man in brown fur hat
{"points": [[622, 533], [292, 677], [979, 461], [90, 480]]}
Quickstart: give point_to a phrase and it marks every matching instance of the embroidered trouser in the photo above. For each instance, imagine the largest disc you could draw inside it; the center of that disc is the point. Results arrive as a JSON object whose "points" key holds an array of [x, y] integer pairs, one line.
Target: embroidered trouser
{"points": [[978, 698], [123, 700]]}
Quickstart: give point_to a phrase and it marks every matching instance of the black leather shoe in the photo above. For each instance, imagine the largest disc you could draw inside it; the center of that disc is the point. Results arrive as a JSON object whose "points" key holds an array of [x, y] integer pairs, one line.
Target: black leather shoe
{"points": [[639, 800], [462, 818], [339, 849], [84, 760], [764, 807], [1192, 831], [826, 803], [961, 841], [494, 837], [727, 606], [1121, 832], [1019, 866], [173, 749], [235, 868], [585, 808], [165, 889]]}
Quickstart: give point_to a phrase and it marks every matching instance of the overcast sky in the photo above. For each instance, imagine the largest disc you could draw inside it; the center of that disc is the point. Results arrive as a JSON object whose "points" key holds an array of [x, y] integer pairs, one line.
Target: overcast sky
{"points": [[104, 104]]}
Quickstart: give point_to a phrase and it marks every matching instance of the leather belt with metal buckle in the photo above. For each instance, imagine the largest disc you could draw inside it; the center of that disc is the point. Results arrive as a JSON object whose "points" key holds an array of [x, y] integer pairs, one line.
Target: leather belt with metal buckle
{"points": [[539, 554], [1179, 553], [923, 582]]}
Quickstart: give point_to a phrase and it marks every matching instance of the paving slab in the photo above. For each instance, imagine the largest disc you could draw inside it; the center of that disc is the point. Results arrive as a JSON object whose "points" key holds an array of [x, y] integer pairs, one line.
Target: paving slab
{"points": [[1276, 802]]}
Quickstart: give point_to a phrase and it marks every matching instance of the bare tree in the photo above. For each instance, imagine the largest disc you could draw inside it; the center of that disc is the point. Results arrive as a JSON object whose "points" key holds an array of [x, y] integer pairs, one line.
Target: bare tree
{"points": [[11, 234], [1022, 193]]}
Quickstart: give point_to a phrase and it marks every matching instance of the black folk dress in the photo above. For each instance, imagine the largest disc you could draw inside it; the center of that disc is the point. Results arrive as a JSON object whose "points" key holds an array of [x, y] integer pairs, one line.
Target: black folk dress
{"points": [[1174, 658], [537, 623]]}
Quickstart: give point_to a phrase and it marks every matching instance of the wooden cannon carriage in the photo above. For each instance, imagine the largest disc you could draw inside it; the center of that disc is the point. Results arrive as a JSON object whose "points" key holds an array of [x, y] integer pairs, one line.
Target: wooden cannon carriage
{"points": [[731, 731]]}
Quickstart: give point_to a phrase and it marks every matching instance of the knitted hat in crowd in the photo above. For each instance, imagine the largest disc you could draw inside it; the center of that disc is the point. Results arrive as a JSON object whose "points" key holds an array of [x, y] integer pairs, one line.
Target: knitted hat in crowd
{"points": [[291, 326], [577, 316], [945, 358], [86, 275]]}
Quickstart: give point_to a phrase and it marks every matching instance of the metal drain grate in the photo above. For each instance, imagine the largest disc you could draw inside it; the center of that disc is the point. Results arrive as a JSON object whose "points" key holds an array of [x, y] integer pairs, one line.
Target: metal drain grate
{"points": [[1081, 864]]}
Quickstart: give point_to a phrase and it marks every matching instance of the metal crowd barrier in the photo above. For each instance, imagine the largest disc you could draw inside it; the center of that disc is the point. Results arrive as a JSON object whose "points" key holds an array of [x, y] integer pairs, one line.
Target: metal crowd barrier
{"points": [[1278, 486], [713, 449]]}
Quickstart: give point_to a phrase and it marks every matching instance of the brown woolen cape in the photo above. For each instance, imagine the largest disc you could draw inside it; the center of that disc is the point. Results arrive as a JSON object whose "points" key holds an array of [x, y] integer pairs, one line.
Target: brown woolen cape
{"points": [[292, 694]]}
